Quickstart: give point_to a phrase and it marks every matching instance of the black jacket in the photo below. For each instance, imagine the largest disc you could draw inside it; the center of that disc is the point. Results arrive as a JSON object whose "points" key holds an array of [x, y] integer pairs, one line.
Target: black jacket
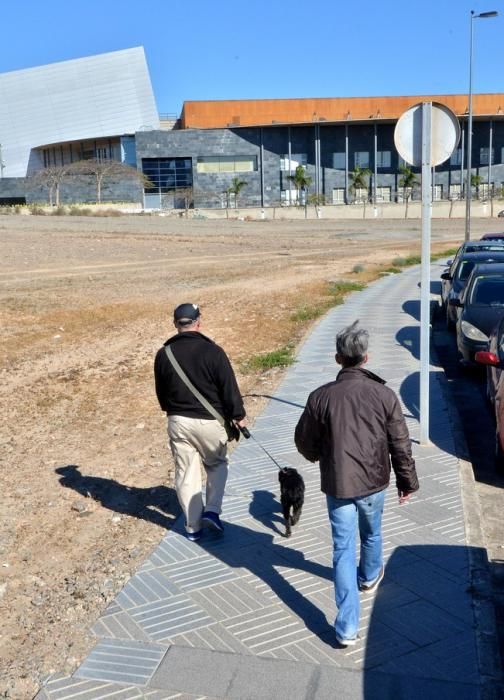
{"points": [[355, 428], [207, 366]]}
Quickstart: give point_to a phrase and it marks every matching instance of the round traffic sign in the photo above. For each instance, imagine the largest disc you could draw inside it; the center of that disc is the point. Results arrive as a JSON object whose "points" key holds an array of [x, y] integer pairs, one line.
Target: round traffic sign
{"points": [[445, 134]]}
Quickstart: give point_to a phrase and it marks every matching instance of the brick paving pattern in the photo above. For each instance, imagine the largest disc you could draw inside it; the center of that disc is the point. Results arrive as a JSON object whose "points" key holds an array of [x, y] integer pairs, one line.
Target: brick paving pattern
{"points": [[250, 614]]}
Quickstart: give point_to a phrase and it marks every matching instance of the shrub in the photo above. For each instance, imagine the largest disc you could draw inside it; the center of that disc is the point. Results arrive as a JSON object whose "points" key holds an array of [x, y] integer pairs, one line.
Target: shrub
{"points": [[36, 210], [80, 211], [358, 268], [307, 313], [404, 262], [59, 211], [283, 357]]}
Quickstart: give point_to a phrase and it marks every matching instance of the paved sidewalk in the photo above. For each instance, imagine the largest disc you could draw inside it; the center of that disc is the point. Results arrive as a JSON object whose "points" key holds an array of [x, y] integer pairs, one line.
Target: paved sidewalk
{"points": [[250, 614]]}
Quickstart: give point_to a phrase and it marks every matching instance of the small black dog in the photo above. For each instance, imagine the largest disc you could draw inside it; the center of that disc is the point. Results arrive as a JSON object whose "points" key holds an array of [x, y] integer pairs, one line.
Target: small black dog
{"points": [[292, 490]]}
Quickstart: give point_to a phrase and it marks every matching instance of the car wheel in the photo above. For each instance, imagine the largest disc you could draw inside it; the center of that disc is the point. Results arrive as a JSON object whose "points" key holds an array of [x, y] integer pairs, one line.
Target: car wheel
{"points": [[499, 455]]}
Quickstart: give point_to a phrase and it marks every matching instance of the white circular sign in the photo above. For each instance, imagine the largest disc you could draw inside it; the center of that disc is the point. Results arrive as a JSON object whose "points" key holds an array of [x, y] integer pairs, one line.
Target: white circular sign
{"points": [[445, 134]]}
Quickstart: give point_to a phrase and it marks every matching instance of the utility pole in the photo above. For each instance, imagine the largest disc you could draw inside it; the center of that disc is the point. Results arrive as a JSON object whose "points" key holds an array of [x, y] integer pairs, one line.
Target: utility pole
{"points": [[2, 164]]}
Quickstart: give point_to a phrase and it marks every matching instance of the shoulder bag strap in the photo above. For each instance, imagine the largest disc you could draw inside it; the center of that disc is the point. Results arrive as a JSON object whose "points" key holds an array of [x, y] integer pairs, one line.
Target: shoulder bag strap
{"points": [[178, 369]]}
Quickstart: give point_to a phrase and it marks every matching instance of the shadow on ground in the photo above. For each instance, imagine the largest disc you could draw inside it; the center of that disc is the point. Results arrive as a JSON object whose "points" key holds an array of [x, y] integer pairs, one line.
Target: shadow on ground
{"points": [[158, 505]]}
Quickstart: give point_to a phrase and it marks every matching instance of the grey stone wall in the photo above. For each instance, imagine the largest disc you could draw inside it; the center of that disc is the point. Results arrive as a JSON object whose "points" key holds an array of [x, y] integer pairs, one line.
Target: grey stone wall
{"points": [[266, 190], [12, 188], [209, 187]]}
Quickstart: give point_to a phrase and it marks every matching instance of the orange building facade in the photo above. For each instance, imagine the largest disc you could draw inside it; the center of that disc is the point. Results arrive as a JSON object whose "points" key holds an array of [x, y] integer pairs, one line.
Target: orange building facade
{"points": [[215, 114]]}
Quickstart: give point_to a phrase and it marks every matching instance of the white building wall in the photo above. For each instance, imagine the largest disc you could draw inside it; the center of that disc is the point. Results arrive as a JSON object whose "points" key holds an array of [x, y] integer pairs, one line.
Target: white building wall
{"points": [[99, 96]]}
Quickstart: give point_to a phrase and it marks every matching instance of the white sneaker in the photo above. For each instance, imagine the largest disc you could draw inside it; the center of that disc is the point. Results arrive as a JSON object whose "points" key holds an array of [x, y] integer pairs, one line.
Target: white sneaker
{"points": [[368, 587], [347, 642]]}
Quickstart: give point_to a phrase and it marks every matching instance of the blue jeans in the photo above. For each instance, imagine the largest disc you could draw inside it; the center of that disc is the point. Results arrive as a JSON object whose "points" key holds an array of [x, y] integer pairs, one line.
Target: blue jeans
{"points": [[344, 515]]}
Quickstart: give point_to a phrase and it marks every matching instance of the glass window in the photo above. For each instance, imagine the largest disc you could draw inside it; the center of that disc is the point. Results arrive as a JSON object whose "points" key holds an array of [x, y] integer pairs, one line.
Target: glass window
{"points": [[484, 155], [338, 195], [361, 159], [488, 291], [361, 194], [289, 196], [485, 190], [166, 175], [455, 192], [383, 194], [464, 269], [338, 161], [456, 157], [296, 159], [226, 164], [437, 193], [383, 159]]}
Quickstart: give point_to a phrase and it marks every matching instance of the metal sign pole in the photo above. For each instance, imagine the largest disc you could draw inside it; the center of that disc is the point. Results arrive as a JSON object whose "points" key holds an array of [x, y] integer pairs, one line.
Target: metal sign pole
{"points": [[425, 272], [425, 136]]}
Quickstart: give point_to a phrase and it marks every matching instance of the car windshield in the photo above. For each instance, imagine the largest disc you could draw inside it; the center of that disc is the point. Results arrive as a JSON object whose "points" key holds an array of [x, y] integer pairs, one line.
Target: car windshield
{"points": [[475, 248], [488, 291]]}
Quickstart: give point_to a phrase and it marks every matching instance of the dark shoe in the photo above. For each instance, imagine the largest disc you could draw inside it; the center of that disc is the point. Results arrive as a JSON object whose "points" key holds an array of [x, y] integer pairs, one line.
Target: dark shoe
{"points": [[347, 642], [194, 536], [212, 520], [368, 587]]}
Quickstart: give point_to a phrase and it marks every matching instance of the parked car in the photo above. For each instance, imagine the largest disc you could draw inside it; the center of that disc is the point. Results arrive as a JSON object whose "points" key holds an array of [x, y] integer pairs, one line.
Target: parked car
{"points": [[480, 308], [493, 358], [492, 236], [454, 280], [477, 247]]}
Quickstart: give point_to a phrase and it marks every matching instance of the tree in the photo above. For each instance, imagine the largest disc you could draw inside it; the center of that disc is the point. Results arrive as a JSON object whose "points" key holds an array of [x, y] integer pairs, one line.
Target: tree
{"points": [[359, 179], [476, 181], [186, 196], [50, 179], [301, 182], [407, 182], [101, 170], [235, 188]]}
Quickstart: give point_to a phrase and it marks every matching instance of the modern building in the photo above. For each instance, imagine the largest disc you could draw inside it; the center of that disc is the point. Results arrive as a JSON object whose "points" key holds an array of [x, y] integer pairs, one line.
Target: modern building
{"points": [[262, 142], [69, 111], [103, 107]]}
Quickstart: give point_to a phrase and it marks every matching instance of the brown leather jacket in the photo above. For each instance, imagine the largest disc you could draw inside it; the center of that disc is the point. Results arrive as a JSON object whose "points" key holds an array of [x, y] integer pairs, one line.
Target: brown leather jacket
{"points": [[355, 428]]}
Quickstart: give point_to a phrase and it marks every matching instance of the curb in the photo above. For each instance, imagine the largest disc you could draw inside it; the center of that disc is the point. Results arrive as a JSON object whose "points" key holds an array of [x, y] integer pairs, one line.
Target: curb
{"points": [[484, 611]]}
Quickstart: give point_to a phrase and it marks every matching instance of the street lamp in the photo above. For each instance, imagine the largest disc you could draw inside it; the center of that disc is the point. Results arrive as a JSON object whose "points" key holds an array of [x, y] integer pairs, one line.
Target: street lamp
{"points": [[481, 15]]}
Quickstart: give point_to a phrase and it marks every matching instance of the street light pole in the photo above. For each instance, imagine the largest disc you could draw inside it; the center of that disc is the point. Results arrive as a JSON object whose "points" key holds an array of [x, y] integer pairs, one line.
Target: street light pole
{"points": [[468, 193]]}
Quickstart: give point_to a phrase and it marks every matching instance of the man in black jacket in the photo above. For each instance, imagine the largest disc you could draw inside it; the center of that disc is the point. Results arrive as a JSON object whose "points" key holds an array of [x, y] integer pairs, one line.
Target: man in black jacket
{"points": [[196, 437], [354, 428]]}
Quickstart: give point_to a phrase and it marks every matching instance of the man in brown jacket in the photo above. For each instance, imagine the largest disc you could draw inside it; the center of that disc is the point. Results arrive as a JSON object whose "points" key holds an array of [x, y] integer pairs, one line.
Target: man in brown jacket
{"points": [[355, 429]]}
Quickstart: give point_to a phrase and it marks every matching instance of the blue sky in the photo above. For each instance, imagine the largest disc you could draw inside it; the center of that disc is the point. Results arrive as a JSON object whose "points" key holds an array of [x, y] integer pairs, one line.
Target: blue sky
{"points": [[218, 49]]}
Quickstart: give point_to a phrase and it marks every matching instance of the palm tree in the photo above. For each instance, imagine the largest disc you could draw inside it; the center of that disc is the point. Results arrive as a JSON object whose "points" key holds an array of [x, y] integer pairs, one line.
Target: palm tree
{"points": [[301, 182], [476, 181], [407, 182], [235, 188], [359, 178]]}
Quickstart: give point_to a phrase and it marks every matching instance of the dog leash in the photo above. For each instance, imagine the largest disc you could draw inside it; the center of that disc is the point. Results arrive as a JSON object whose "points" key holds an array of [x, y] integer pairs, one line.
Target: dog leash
{"points": [[247, 434]]}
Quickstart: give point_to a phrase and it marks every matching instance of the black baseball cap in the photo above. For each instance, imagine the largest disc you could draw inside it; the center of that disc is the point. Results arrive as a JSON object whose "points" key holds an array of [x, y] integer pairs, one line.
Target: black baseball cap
{"points": [[186, 313]]}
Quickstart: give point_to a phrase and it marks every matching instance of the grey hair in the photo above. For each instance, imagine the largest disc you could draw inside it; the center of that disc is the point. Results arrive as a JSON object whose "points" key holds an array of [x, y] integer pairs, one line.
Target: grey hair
{"points": [[352, 344]]}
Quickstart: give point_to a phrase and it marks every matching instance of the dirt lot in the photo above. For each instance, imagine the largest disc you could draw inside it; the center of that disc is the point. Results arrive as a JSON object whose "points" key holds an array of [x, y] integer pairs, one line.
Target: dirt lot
{"points": [[85, 475]]}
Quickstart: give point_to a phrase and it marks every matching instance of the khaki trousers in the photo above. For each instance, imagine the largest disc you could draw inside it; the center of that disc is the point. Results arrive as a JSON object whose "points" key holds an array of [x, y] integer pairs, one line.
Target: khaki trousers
{"points": [[195, 442]]}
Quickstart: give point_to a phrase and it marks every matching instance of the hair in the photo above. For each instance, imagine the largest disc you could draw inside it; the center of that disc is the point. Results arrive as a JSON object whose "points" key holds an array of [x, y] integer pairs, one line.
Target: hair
{"points": [[186, 323], [352, 344]]}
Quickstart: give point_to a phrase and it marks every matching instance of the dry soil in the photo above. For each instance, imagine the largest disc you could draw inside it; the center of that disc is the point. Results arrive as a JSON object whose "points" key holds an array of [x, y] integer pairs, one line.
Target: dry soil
{"points": [[85, 476]]}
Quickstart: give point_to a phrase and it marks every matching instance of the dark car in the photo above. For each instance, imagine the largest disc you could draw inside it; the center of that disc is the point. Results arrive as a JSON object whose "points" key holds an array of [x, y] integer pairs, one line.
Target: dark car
{"points": [[493, 236], [454, 280], [480, 308], [493, 358]]}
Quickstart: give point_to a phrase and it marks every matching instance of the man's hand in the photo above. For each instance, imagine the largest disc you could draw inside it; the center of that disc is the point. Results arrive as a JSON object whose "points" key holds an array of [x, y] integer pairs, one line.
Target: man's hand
{"points": [[241, 423], [404, 496]]}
